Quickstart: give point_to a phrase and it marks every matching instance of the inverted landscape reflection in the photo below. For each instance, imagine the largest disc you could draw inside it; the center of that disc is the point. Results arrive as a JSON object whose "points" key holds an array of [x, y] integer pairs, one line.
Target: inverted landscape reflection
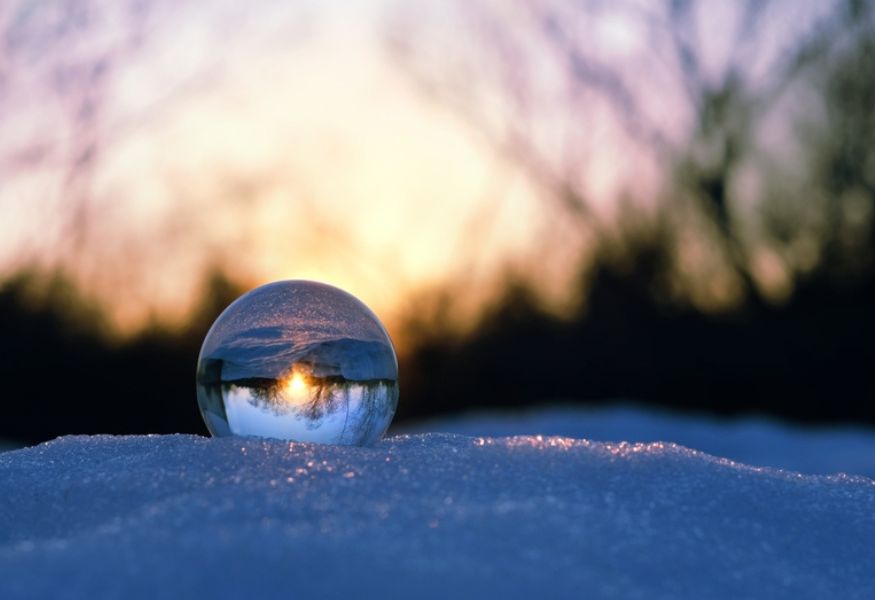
{"points": [[298, 360]]}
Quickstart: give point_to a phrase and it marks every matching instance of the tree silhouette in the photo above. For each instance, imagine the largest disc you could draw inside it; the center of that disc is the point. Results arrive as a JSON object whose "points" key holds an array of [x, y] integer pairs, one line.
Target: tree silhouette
{"points": [[520, 69], [765, 204]]}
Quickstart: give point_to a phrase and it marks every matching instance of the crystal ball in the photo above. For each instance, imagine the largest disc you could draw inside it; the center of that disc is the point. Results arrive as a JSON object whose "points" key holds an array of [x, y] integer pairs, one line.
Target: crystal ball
{"points": [[298, 360]]}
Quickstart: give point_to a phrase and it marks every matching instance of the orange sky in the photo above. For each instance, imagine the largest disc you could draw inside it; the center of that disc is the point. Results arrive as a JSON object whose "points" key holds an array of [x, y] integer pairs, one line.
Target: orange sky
{"points": [[300, 155], [278, 143]]}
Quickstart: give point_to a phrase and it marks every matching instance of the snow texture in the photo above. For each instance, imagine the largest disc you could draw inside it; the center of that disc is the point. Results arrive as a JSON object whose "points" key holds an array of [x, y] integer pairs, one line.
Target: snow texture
{"points": [[751, 440], [425, 516]]}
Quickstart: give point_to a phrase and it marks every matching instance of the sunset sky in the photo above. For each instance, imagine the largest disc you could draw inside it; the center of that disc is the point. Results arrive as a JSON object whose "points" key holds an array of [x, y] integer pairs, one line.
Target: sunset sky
{"points": [[279, 144], [142, 146]]}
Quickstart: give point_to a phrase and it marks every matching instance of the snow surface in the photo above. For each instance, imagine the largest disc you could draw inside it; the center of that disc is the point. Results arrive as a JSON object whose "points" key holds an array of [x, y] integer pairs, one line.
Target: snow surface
{"points": [[752, 440], [429, 515]]}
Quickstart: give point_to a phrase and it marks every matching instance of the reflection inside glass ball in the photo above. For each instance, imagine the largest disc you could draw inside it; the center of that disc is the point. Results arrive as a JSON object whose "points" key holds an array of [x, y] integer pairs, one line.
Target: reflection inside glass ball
{"points": [[298, 360]]}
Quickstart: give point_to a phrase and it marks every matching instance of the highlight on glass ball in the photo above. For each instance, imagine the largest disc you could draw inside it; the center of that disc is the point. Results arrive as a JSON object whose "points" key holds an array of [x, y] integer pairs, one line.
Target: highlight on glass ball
{"points": [[298, 360]]}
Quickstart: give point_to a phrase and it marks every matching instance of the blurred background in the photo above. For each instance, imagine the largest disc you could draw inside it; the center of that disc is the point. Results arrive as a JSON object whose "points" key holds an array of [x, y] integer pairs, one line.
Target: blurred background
{"points": [[580, 201]]}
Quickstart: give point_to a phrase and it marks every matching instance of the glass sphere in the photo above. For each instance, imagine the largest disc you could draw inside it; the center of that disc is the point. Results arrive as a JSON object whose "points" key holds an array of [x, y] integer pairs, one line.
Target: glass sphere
{"points": [[298, 360]]}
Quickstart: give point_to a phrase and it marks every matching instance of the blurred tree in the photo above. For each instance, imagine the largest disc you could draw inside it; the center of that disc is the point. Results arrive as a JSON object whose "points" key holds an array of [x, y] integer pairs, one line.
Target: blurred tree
{"points": [[63, 375], [64, 53], [88, 91], [843, 156], [706, 92], [757, 117]]}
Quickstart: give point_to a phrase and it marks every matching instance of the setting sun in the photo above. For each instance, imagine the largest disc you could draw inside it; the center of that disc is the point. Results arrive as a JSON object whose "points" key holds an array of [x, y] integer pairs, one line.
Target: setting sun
{"points": [[297, 383], [295, 386]]}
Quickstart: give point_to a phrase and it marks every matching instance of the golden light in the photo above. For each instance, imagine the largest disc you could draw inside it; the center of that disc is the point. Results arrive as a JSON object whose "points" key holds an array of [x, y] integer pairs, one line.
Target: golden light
{"points": [[296, 388], [295, 385], [260, 167]]}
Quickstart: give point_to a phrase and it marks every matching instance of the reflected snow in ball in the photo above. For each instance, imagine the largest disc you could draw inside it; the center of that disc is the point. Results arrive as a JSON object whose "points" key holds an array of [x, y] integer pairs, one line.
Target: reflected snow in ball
{"points": [[298, 360]]}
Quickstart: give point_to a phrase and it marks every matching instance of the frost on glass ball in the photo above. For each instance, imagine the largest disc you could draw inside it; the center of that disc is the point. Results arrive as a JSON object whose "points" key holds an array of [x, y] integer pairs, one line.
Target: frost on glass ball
{"points": [[298, 360]]}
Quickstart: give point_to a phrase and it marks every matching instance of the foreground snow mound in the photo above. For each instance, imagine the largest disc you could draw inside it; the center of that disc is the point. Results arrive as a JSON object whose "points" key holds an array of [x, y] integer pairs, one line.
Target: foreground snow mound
{"points": [[423, 516]]}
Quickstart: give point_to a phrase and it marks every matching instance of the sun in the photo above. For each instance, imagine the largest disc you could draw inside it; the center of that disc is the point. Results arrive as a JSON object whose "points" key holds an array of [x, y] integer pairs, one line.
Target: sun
{"points": [[295, 384]]}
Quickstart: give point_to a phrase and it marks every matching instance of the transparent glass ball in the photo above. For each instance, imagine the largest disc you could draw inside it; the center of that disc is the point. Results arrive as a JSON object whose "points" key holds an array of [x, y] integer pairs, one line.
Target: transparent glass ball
{"points": [[298, 360]]}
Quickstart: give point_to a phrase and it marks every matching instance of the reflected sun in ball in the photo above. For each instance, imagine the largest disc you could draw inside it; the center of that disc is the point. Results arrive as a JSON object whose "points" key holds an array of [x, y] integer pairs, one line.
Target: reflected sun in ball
{"points": [[296, 383], [296, 388]]}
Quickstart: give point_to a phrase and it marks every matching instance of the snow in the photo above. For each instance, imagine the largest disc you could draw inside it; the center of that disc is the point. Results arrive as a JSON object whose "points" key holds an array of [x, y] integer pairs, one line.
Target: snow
{"points": [[426, 515], [752, 440]]}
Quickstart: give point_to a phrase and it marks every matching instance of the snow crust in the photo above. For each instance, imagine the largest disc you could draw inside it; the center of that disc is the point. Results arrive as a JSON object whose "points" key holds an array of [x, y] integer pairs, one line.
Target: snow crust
{"points": [[752, 440], [426, 516]]}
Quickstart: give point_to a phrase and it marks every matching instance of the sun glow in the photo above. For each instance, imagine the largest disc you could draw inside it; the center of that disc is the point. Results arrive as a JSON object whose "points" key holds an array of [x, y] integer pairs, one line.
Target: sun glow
{"points": [[261, 168], [296, 389]]}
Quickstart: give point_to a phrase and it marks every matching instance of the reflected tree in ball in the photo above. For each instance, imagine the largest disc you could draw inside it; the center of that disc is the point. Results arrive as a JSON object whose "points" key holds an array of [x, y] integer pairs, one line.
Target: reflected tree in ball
{"points": [[298, 360]]}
